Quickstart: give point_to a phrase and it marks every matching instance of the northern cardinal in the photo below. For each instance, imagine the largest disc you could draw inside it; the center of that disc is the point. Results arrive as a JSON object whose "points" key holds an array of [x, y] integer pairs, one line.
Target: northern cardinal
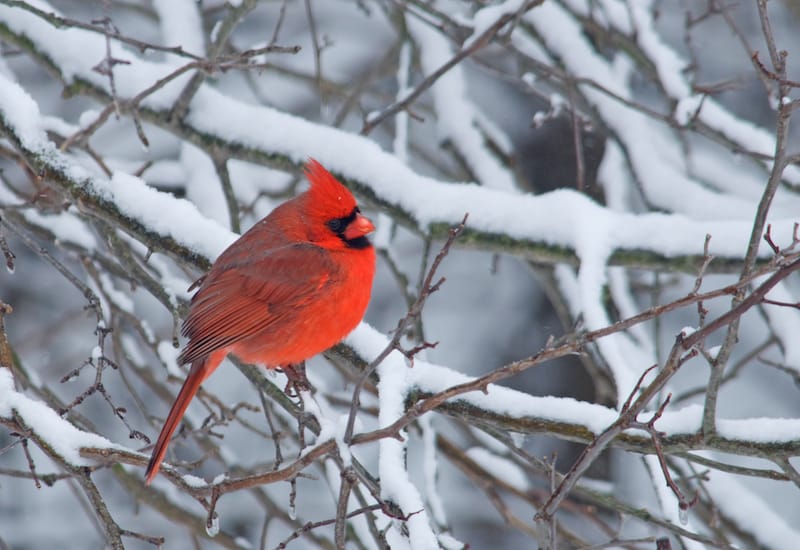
{"points": [[292, 286]]}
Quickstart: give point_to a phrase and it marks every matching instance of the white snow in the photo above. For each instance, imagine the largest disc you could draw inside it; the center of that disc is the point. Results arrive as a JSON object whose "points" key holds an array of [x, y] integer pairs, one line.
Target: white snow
{"points": [[750, 512], [203, 187], [456, 118], [433, 378], [488, 16], [21, 113], [785, 322], [500, 467], [65, 225], [760, 430], [169, 356], [64, 438], [181, 24], [167, 215], [400, 143], [157, 211], [657, 159], [194, 481], [396, 485], [688, 108], [431, 471]]}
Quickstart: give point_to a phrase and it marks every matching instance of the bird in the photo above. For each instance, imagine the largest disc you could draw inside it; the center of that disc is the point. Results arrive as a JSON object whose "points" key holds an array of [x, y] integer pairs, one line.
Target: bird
{"points": [[290, 287]]}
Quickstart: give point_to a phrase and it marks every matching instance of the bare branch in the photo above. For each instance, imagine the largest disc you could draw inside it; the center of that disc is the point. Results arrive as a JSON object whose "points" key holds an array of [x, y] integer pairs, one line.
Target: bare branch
{"points": [[475, 45]]}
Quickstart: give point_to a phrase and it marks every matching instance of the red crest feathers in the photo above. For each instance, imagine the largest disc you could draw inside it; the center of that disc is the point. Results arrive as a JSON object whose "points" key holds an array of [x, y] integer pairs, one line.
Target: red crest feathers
{"points": [[328, 196]]}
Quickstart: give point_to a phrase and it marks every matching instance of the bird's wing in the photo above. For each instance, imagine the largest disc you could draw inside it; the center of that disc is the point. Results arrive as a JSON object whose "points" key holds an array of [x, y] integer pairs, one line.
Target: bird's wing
{"points": [[242, 298]]}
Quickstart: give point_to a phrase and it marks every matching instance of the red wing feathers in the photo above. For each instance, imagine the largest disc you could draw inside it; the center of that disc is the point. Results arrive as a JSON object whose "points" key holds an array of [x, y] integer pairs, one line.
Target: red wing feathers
{"points": [[253, 297]]}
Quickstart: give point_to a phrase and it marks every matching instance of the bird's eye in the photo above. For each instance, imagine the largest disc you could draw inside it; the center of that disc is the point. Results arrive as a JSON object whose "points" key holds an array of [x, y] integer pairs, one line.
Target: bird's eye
{"points": [[336, 225]]}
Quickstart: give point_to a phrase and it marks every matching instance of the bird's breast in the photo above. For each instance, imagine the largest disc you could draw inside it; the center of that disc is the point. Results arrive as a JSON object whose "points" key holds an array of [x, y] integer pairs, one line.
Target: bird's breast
{"points": [[321, 319]]}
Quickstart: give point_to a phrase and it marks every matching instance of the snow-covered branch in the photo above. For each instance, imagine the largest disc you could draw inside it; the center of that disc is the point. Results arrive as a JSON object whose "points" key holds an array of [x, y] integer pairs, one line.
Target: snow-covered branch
{"points": [[648, 240], [626, 280]]}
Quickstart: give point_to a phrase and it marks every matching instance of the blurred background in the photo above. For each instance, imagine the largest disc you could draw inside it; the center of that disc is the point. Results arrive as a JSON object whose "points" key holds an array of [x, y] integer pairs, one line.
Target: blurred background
{"points": [[534, 120]]}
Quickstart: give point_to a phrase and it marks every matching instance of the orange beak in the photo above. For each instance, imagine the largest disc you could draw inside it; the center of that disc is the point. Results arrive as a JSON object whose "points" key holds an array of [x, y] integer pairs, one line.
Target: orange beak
{"points": [[358, 228]]}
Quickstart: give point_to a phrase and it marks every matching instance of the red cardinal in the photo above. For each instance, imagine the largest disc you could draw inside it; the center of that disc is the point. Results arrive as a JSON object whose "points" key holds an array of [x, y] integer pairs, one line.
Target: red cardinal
{"points": [[292, 286]]}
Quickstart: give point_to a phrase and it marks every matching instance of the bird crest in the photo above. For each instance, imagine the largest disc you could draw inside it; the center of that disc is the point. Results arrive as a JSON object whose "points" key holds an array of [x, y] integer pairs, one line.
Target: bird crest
{"points": [[329, 198]]}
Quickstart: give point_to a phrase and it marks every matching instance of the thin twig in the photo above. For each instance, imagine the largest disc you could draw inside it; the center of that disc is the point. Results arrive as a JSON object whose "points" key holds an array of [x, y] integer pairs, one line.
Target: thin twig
{"points": [[236, 13], [92, 299], [348, 478], [427, 288], [676, 359], [475, 45], [312, 28], [221, 166], [759, 223], [656, 436]]}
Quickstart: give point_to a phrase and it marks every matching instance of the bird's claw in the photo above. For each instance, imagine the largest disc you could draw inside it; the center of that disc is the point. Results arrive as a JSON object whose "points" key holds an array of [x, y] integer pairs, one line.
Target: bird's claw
{"points": [[297, 380]]}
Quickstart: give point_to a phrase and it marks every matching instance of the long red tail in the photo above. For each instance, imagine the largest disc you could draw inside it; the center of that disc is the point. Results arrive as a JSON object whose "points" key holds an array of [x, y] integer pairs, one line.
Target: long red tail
{"points": [[200, 370]]}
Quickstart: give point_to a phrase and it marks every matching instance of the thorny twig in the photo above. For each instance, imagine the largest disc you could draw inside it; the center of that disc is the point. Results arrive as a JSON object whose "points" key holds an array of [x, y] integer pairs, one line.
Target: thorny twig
{"points": [[59, 22], [29, 458], [7, 253], [81, 475], [317, 45]]}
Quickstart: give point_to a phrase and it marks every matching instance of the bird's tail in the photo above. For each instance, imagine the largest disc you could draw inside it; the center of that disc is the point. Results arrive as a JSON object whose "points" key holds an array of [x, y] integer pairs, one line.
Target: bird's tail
{"points": [[201, 369]]}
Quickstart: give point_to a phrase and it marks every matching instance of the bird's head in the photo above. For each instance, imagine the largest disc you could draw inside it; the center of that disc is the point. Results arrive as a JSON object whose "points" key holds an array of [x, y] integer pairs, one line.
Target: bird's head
{"points": [[336, 220]]}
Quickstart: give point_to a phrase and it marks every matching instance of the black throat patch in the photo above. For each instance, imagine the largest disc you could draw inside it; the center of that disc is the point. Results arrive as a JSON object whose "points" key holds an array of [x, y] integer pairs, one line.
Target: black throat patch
{"points": [[339, 225]]}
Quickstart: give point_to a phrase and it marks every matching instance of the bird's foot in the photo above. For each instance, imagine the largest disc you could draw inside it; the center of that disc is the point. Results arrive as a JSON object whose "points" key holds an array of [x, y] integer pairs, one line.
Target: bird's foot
{"points": [[297, 380]]}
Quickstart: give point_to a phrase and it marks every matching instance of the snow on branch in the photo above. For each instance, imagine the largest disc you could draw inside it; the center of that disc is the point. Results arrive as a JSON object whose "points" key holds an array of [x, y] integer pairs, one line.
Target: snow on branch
{"points": [[182, 123], [50, 429], [235, 130]]}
